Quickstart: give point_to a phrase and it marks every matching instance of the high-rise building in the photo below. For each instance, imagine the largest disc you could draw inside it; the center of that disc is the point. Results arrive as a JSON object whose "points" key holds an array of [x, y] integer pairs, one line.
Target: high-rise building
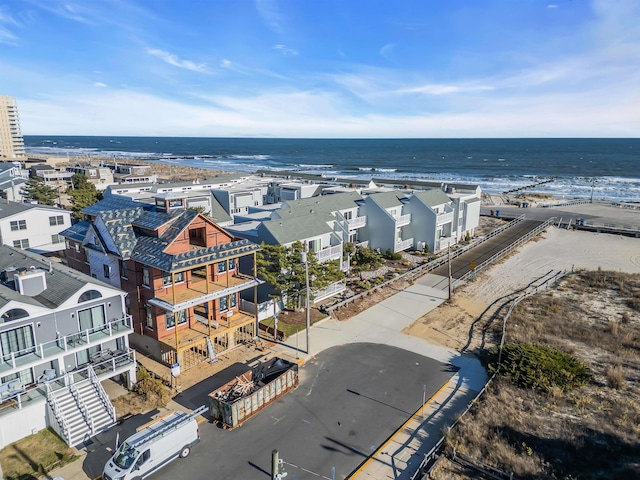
{"points": [[11, 141]]}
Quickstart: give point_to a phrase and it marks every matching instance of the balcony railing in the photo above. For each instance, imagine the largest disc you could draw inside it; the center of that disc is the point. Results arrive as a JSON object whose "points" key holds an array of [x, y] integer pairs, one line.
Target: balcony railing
{"points": [[330, 253], [67, 343], [364, 244], [403, 245], [403, 220], [117, 363], [357, 222], [329, 291], [443, 218]]}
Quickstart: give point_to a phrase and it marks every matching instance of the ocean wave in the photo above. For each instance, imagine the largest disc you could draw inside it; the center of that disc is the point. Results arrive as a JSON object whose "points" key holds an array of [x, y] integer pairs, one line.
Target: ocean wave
{"points": [[314, 166], [250, 157]]}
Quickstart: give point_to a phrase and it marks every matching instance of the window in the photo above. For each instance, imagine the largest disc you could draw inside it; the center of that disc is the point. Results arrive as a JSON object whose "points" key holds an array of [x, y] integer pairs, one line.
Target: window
{"points": [[91, 318], [57, 220], [89, 295], [166, 278], [149, 317], [18, 341], [14, 314], [18, 225], [232, 264], [25, 377], [222, 267], [106, 269], [224, 304], [146, 280], [57, 239], [232, 300], [77, 247], [123, 269], [24, 243], [170, 318]]}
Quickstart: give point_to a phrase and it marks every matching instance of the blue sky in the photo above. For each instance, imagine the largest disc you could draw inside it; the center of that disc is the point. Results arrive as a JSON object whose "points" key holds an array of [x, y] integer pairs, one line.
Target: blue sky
{"points": [[323, 68]]}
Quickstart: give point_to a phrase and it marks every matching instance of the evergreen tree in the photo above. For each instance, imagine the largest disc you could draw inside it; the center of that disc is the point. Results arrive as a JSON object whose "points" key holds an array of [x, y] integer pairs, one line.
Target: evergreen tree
{"points": [[84, 193], [282, 268], [36, 190]]}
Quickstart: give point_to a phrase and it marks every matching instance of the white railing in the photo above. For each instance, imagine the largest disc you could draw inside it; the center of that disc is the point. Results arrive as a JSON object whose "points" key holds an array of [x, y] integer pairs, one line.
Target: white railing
{"points": [[55, 408], [443, 218], [403, 245], [71, 342], [330, 253], [403, 220], [328, 291], [82, 406], [445, 242], [357, 222], [364, 244], [104, 398]]}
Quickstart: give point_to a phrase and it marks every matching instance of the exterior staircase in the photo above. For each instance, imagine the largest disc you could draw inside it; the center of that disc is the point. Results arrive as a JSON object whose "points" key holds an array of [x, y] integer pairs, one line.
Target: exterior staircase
{"points": [[81, 409]]}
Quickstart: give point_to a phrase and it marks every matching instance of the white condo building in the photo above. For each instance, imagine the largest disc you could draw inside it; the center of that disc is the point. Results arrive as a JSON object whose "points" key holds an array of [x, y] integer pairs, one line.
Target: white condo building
{"points": [[11, 141]]}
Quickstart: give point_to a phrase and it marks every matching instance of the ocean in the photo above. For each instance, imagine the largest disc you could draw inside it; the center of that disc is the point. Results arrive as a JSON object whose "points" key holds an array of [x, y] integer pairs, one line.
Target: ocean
{"points": [[607, 168]]}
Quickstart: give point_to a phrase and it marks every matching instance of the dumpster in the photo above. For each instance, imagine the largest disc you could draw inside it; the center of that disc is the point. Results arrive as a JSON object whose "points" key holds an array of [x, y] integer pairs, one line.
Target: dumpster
{"points": [[237, 401]]}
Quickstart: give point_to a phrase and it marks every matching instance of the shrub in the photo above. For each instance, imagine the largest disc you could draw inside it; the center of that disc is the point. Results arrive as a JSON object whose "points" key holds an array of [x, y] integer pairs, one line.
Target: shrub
{"points": [[540, 367], [467, 237], [389, 255], [615, 377], [149, 387]]}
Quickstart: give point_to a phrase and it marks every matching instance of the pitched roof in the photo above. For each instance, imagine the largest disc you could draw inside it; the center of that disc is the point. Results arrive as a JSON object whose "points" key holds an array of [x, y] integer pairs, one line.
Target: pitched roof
{"points": [[8, 208], [325, 203], [288, 230], [433, 197], [62, 281], [388, 199]]}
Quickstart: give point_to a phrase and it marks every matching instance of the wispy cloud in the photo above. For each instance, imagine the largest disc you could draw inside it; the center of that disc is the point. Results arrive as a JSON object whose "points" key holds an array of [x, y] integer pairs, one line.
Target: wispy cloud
{"points": [[552, 5], [99, 84], [176, 61], [386, 51], [285, 50], [271, 15], [441, 89], [6, 35]]}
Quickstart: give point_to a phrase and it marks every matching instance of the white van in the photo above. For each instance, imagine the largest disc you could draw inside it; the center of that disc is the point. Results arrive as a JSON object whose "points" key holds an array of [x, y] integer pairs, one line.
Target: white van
{"points": [[154, 445]]}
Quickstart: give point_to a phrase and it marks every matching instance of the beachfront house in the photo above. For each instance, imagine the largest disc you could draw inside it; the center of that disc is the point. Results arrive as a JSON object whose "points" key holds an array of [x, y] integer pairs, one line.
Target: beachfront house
{"points": [[388, 219], [432, 226], [101, 177], [61, 334], [33, 227], [181, 271], [12, 179]]}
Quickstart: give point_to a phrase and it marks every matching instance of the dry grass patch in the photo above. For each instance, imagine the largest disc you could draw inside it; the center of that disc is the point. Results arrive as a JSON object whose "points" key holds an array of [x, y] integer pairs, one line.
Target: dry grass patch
{"points": [[590, 432], [34, 456]]}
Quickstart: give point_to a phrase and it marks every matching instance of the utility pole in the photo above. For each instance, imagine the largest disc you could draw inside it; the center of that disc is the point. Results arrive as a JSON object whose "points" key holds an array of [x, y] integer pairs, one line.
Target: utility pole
{"points": [[449, 262], [303, 257]]}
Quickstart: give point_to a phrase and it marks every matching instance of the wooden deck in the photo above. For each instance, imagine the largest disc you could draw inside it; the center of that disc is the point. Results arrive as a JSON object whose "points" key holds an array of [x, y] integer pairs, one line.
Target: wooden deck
{"points": [[198, 288], [199, 331]]}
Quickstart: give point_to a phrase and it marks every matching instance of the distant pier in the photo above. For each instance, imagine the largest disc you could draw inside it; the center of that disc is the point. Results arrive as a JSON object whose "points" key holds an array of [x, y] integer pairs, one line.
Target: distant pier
{"points": [[533, 185]]}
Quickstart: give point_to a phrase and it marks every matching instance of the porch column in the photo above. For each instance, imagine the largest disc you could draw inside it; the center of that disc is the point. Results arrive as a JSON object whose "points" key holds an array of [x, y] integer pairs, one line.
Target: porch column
{"points": [[256, 325], [175, 317]]}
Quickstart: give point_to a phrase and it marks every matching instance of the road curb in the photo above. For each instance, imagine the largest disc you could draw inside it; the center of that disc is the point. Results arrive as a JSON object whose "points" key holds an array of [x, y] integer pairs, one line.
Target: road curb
{"points": [[371, 457]]}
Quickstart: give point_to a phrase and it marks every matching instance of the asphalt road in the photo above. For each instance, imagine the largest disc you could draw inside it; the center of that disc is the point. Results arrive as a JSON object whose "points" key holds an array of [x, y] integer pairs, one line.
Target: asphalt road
{"points": [[462, 264], [351, 398]]}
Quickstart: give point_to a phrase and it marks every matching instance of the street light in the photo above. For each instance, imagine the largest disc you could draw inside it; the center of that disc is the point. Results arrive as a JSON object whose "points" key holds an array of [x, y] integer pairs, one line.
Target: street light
{"points": [[303, 258], [449, 262]]}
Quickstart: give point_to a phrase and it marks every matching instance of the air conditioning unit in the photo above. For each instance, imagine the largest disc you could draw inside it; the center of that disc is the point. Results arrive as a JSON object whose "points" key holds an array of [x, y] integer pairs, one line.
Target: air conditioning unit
{"points": [[229, 313]]}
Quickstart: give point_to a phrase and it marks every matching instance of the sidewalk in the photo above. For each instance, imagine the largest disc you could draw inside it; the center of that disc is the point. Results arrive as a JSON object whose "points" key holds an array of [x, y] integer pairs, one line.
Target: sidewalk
{"points": [[383, 323]]}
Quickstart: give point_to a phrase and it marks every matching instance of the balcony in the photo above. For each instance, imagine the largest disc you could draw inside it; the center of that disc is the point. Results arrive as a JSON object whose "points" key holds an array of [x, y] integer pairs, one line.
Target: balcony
{"points": [[443, 218], [201, 291], [330, 253], [117, 363], [71, 343], [364, 244], [357, 222], [403, 220], [403, 245]]}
